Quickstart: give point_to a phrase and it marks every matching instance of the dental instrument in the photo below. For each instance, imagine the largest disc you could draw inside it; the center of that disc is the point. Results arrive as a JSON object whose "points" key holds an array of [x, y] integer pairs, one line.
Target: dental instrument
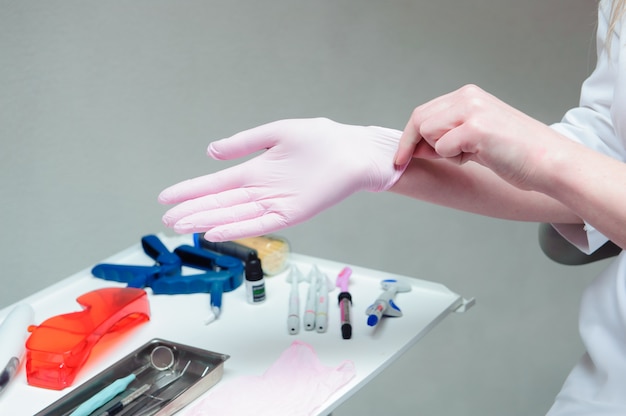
{"points": [[293, 319], [384, 304], [161, 358], [310, 309], [122, 404], [345, 302], [220, 273], [13, 334], [321, 311]]}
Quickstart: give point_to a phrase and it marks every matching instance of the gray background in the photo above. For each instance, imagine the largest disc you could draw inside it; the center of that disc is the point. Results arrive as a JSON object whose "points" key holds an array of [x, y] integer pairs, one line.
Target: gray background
{"points": [[103, 104]]}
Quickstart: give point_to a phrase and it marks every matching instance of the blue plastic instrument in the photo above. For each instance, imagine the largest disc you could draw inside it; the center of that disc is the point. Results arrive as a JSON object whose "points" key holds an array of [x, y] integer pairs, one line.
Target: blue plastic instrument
{"points": [[221, 273]]}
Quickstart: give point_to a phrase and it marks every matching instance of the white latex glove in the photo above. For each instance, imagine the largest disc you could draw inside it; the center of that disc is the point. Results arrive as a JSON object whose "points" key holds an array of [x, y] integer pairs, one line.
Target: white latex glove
{"points": [[305, 167]]}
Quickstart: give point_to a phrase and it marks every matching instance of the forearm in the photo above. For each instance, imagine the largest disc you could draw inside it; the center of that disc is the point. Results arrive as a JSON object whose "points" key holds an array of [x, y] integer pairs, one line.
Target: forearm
{"points": [[591, 184], [473, 188]]}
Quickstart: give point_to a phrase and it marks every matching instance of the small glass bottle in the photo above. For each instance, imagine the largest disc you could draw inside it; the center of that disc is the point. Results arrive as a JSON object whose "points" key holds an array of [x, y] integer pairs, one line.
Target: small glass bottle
{"points": [[255, 282]]}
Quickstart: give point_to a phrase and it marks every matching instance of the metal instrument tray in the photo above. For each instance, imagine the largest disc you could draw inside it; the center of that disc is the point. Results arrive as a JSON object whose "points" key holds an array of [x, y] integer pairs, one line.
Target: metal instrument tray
{"points": [[191, 372]]}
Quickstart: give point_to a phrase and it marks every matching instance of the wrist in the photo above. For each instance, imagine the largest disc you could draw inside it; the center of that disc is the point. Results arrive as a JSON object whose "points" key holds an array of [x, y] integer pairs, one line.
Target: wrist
{"points": [[559, 170], [381, 172]]}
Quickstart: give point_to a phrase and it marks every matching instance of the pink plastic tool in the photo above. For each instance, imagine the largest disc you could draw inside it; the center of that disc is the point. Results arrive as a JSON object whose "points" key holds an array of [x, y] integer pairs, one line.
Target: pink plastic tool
{"points": [[58, 348]]}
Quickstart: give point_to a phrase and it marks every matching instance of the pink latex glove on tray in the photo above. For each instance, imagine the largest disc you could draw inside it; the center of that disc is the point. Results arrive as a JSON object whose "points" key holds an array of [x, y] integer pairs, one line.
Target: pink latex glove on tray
{"points": [[304, 167]]}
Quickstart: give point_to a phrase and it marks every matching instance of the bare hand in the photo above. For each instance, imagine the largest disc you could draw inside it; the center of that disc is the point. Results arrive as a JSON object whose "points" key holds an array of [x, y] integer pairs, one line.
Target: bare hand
{"points": [[472, 125]]}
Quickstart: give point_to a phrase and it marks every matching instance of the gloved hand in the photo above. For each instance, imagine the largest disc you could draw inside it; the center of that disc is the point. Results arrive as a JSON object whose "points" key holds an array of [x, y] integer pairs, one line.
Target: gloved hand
{"points": [[305, 167]]}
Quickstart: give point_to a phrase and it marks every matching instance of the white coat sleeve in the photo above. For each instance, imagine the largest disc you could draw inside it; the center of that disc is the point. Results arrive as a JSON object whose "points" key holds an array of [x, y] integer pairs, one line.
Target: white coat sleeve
{"points": [[591, 122]]}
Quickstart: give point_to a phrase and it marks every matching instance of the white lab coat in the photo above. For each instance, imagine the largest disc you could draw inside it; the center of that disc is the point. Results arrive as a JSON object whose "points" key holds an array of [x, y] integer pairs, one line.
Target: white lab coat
{"points": [[597, 385]]}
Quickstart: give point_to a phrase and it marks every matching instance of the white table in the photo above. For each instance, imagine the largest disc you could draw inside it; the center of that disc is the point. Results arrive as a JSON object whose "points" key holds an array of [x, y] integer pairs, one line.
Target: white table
{"points": [[253, 336]]}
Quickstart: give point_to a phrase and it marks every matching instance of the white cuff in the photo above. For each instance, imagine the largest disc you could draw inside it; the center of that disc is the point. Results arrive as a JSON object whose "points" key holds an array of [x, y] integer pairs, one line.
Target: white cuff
{"points": [[584, 236]]}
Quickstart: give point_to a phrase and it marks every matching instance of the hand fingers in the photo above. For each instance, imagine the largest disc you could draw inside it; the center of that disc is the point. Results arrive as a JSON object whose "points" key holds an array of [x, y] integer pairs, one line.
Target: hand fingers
{"points": [[224, 180], [226, 199], [245, 142], [453, 143], [408, 142], [266, 224], [423, 150], [456, 130], [206, 220], [449, 122], [415, 132], [229, 223], [434, 127]]}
